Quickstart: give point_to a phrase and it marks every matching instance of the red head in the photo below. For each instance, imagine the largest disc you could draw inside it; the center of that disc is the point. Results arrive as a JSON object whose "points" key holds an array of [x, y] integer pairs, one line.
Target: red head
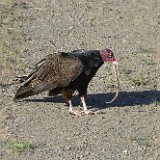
{"points": [[107, 55]]}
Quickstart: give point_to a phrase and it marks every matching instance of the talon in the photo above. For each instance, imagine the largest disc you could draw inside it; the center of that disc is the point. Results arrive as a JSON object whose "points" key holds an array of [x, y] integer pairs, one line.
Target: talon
{"points": [[75, 113], [88, 112]]}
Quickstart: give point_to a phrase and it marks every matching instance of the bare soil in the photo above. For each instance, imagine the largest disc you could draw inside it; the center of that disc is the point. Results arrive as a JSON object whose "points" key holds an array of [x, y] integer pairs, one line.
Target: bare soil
{"points": [[127, 129]]}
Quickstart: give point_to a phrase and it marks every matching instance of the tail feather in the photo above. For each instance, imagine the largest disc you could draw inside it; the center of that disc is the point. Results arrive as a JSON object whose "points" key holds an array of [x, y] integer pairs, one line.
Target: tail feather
{"points": [[31, 88], [20, 79], [24, 91]]}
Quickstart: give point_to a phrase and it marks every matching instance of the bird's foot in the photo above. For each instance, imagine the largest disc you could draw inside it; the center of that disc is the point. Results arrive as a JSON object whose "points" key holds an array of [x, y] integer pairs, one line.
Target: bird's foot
{"points": [[85, 112], [89, 112], [77, 113]]}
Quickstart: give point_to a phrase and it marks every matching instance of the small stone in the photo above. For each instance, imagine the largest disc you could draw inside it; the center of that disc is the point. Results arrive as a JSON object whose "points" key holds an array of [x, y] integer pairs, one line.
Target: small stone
{"points": [[125, 151]]}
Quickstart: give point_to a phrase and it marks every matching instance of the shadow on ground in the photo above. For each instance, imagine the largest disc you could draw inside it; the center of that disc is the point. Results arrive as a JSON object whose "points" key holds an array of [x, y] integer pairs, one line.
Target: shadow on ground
{"points": [[98, 100]]}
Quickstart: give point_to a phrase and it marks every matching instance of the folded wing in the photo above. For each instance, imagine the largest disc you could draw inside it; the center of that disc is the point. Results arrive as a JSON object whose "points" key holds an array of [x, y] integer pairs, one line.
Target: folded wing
{"points": [[57, 70]]}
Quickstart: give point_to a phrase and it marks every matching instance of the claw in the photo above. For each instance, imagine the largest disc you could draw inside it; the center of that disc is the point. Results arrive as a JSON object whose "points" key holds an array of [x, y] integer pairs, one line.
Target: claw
{"points": [[88, 112], [75, 113]]}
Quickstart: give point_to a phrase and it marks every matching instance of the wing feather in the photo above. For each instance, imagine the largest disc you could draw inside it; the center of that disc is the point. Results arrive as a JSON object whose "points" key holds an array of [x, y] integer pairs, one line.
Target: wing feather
{"points": [[57, 70]]}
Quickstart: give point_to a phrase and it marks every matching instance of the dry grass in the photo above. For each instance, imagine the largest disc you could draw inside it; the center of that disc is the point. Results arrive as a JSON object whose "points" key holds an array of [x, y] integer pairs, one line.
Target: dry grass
{"points": [[9, 35]]}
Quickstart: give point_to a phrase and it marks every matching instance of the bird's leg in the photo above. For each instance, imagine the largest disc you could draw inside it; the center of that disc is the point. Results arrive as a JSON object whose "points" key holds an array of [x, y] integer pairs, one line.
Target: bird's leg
{"points": [[70, 106], [83, 101], [67, 95], [85, 110], [71, 111], [82, 94]]}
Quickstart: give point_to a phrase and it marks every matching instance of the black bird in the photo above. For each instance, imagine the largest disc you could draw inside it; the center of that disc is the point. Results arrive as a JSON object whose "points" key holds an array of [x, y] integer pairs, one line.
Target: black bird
{"points": [[63, 73]]}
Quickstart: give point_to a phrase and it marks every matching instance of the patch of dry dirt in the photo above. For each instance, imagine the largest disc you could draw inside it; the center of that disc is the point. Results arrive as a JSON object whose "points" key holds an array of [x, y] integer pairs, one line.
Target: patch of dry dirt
{"points": [[1, 127], [129, 128]]}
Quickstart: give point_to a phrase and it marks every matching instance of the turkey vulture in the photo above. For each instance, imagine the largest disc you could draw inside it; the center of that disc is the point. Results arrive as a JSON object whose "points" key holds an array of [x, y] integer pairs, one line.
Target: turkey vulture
{"points": [[63, 73]]}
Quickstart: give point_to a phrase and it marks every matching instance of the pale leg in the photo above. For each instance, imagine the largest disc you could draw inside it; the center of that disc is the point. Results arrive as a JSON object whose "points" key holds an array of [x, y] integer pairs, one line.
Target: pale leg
{"points": [[83, 103], [70, 106], [71, 111], [85, 110]]}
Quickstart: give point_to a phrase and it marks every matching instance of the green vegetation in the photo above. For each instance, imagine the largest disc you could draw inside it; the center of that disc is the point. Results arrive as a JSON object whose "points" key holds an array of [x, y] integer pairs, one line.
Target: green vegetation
{"points": [[142, 141], [145, 50], [19, 146], [155, 102], [136, 81]]}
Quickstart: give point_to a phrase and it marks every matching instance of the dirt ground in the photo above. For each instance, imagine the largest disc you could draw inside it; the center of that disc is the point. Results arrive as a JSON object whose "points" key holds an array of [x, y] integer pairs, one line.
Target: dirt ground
{"points": [[127, 129]]}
